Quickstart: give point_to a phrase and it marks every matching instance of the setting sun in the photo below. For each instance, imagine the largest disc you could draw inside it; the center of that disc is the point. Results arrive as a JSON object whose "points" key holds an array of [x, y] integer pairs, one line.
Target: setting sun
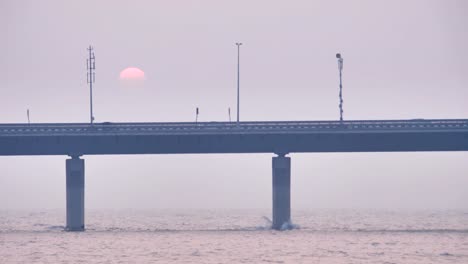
{"points": [[132, 73]]}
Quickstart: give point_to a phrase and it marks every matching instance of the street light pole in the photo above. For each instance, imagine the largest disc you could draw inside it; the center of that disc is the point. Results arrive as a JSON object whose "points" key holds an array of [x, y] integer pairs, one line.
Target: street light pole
{"points": [[238, 76], [340, 68]]}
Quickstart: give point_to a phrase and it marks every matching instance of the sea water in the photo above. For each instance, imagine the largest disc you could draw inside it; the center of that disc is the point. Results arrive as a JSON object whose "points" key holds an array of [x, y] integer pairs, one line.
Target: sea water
{"points": [[236, 236]]}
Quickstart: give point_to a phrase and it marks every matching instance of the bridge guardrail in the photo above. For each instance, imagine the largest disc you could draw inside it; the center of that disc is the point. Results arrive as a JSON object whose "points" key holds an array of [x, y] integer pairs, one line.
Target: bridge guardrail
{"points": [[229, 127]]}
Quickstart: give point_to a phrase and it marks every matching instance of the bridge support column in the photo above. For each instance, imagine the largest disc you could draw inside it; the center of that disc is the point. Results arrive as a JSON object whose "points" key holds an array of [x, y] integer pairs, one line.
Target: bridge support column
{"points": [[281, 192], [75, 194]]}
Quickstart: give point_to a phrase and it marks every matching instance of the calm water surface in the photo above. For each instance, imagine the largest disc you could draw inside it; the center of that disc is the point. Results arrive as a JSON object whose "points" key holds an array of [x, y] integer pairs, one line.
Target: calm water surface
{"points": [[234, 236]]}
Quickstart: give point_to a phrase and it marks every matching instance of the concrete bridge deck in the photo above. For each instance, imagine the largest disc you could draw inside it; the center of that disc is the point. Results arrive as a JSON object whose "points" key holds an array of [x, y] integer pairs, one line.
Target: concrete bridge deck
{"points": [[75, 139]]}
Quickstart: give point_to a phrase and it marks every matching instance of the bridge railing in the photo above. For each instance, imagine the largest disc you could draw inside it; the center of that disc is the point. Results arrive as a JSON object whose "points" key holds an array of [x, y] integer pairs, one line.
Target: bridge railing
{"points": [[230, 127], [247, 123]]}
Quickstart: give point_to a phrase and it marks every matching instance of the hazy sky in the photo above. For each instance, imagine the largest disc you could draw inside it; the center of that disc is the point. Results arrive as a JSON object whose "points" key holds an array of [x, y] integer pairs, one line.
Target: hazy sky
{"points": [[403, 59]]}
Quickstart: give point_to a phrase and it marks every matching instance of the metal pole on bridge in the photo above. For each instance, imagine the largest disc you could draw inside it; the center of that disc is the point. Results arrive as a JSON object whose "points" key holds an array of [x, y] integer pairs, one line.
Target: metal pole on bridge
{"points": [[340, 68], [238, 76], [91, 66]]}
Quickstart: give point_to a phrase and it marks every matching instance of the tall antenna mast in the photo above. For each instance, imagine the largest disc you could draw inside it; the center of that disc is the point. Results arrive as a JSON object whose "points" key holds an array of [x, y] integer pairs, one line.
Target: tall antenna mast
{"points": [[91, 77]]}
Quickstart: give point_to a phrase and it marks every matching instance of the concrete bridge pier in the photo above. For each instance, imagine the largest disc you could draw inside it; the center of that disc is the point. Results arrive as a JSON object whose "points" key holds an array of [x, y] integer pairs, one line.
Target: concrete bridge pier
{"points": [[281, 192], [75, 194]]}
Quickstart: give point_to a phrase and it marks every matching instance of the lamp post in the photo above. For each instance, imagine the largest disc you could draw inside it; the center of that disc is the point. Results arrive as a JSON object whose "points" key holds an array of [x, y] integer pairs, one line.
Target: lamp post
{"points": [[238, 76], [340, 68]]}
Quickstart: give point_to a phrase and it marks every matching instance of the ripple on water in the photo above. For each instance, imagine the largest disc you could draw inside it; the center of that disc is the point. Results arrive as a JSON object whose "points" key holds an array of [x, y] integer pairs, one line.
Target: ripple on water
{"points": [[236, 236]]}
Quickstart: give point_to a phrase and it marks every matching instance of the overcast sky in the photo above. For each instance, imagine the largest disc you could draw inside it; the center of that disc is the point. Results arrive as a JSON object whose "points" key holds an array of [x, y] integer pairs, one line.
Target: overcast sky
{"points": [[403, 59]]}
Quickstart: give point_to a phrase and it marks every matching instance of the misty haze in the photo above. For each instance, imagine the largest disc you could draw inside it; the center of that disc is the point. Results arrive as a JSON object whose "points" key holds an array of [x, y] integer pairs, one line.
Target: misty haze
{"points": [[387, 184]]}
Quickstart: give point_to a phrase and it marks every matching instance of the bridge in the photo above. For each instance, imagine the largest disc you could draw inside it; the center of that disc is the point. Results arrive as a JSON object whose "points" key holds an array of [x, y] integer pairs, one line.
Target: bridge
{"points": [[280, 138]]}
